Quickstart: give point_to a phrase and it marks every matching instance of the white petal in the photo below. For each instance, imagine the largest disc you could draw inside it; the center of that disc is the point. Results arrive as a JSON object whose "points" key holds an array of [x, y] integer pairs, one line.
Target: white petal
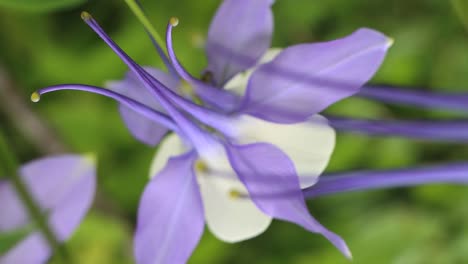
{"points": [[238, 83], [170, 146], [309, 144], [231, 219]]}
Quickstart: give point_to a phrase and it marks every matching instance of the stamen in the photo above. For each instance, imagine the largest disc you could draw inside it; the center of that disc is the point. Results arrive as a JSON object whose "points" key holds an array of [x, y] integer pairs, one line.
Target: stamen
{"points": [[201, 166], [186, 88], [207, 77], [35, 97], [236, 194]]}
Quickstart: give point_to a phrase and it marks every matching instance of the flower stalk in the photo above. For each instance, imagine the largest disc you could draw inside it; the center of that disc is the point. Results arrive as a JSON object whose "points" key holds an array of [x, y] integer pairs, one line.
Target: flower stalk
{"points": [[140, 15]]}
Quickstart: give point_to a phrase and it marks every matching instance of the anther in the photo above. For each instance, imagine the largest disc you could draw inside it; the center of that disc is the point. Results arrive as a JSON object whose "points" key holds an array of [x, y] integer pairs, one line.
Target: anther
{"points": [[207, 77], [35, 97], [201, 166], [235, 194], [86, 16], [186, 88], [174, 21]]}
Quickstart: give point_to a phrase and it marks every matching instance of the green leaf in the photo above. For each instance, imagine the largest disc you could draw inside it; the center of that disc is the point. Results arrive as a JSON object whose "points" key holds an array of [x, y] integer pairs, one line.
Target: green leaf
{"points": [[39, 5], [461, 8]]}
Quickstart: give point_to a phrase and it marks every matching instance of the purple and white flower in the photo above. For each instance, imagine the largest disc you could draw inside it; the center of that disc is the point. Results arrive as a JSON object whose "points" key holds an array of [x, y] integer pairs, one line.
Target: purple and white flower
{"points": [[248, 137]]}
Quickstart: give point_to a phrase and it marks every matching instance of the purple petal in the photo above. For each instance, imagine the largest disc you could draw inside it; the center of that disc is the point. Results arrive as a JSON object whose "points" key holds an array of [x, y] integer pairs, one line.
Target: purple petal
{"points": [[305, 79], [64, 187], [373, 180], [142, 128], [170, 216], [240, 29], [265, 170], [50, 180], [447, 130]]}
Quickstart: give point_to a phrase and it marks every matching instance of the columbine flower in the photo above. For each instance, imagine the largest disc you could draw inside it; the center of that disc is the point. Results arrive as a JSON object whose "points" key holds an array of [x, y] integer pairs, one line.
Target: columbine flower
{"points": [[64, 188], [243, 133], [229, 158]]}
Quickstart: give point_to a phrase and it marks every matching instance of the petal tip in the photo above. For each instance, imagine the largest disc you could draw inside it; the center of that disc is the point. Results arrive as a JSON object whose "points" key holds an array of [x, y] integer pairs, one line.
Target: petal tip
{"points": [[390, 42], [90, 158], [348, 254]]}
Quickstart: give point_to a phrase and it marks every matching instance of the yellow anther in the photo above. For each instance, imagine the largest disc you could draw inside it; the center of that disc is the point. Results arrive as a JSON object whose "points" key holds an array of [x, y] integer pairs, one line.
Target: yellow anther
{"points": [[174, 21], [201, 166], [35, 97], [235, 194], [186, 88], [86, 16]]}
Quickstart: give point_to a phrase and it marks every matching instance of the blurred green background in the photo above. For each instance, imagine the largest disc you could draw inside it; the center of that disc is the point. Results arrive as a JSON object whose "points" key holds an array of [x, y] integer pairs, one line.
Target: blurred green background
{"points": [[417, 225]]}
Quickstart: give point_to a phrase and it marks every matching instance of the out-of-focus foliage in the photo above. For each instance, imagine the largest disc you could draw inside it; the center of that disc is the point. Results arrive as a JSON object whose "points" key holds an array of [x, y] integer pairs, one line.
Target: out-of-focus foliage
{"points": [[418, 225], [39, 5], [461, 7]]}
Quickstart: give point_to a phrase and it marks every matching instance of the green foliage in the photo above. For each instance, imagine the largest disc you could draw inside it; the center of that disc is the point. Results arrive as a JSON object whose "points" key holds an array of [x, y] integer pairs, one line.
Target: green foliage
{"points": [[461, 7], [40, 5], [107, 234]]}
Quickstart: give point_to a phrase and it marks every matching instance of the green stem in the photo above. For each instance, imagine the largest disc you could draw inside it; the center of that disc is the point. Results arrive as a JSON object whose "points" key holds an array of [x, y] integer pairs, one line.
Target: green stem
{"points": [[10, 165], [146, 23]]}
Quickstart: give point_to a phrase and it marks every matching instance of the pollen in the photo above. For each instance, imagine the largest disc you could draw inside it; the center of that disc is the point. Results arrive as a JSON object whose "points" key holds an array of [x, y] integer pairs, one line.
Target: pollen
{"points": [[201, 166], [235, 194], [174, 21], [86, 16], [186, 89], [35, 97]]}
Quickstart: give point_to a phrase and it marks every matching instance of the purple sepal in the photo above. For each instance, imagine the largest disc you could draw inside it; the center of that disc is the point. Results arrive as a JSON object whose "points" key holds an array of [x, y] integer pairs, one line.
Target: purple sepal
{"points": [[265, 170], [240, 28], [170, 215], [64, 187], [142, 128], [305, 79]]}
